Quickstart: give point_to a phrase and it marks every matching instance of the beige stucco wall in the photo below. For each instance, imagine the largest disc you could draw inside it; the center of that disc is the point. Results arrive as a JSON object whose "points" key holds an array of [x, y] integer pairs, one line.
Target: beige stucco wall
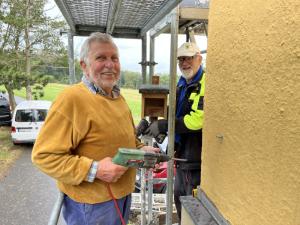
{"points": [[253, 101]]}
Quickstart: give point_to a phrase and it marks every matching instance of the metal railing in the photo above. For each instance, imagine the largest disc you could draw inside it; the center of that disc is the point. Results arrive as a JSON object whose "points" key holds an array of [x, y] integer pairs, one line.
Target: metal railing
{"points": [[54, 217]]}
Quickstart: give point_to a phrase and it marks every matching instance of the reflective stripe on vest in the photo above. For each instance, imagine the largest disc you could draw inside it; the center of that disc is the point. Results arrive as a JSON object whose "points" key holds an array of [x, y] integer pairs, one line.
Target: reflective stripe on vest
{"points": [[194, 120]]}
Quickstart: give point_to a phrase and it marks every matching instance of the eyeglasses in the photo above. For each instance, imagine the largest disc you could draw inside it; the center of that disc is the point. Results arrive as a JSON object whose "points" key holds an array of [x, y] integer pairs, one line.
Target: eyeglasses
{"points": [[189, 59]]}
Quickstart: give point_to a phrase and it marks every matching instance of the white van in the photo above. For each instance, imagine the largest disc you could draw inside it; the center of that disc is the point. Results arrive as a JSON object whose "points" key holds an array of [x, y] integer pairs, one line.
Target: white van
{"points": [[27, 120]]}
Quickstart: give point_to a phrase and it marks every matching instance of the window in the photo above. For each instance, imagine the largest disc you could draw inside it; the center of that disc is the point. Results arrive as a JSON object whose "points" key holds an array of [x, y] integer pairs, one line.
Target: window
{"points": [[41, 115], [31, 115]]}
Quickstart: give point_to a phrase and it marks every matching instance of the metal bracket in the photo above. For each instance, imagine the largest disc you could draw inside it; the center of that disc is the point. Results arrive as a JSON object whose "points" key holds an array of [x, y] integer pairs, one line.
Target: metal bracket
{"points": [[148, 63]]}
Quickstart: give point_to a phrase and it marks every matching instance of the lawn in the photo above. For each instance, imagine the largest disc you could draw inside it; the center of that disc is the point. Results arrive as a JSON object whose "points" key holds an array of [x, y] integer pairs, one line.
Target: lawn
{"points": [[132, 97], [8, 152], [50, 91]]}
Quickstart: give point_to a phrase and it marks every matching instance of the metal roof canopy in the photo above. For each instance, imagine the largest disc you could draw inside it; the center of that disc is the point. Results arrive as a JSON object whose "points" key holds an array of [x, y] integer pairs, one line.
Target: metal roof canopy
{"points": [[195, 17], [130, 19], [120, 18]]}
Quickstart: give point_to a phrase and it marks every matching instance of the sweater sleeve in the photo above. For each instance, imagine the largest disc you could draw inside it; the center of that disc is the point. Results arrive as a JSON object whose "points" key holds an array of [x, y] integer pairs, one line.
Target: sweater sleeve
{"points": [[52, 151]]}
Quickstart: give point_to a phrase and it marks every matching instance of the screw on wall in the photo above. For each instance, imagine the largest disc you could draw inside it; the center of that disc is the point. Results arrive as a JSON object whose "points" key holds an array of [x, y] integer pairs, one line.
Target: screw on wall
{"points": [[220, 137]]}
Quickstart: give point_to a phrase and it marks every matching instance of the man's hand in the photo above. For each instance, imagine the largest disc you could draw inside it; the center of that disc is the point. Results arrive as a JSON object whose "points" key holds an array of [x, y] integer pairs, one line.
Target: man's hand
{"points": [[108, 171], [141, 127], [154, 150], [157, 127], [148, 148]]}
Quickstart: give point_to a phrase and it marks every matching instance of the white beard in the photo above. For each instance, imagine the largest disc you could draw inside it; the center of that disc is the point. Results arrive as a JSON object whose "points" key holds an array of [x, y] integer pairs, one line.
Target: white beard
{"points": [[187, 74], [101, 83]]}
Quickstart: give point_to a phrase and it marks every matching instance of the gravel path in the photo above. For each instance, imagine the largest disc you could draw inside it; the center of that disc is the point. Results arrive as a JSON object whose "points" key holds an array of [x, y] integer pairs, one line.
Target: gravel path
{"points": [[26, 194]]}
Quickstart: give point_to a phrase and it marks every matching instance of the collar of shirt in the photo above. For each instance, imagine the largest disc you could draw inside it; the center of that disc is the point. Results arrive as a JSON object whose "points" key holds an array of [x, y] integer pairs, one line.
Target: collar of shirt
{"points": [[98, 90]]}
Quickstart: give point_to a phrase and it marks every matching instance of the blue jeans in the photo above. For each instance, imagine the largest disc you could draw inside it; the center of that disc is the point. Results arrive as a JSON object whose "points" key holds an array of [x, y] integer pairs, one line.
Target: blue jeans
{"points": [[104, 213]]}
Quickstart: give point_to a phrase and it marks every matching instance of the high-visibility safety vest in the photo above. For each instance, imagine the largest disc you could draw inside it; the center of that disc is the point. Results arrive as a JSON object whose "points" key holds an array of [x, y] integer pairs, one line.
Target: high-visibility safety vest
{"points": [[189, 126], [194, 120]]}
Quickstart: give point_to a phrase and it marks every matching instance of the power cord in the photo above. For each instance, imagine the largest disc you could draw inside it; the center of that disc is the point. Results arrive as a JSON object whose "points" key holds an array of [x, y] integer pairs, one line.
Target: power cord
{"points": [[116, 204]]}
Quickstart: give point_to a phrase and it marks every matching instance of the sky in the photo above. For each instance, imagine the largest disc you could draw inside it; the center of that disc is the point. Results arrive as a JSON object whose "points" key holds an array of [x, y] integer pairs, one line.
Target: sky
{"points": [[131, 49]]}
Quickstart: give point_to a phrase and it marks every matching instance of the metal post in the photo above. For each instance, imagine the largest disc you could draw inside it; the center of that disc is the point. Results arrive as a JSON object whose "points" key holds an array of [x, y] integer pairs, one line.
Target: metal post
{"points": [[150, 189], [143, 197], [71, 58], [144, 58], [56, 209], [147, 141], [152, 49], [171, 115], [150, 199]]}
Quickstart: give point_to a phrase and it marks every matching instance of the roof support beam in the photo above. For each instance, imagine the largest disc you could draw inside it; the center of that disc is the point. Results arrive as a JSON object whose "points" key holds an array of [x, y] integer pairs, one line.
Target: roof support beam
{"points": [[163, 11], [171, 112], [122, 32], [194, 13], [64, 10], [113, 15], [161, 26], [152, 63], [144, 58], [72, 78]]}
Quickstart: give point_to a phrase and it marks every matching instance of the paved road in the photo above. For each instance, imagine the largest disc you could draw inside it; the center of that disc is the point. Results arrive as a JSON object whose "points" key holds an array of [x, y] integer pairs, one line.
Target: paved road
{"points": [[26, 195]]}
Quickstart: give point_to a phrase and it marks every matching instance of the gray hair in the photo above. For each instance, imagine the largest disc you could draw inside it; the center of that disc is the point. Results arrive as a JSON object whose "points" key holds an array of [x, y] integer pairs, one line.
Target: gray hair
{"points": [[94, 37]]}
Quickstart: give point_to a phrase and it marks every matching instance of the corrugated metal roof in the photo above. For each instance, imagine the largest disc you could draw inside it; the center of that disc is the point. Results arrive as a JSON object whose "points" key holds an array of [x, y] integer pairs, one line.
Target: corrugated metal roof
{"points": [[121, 18]]}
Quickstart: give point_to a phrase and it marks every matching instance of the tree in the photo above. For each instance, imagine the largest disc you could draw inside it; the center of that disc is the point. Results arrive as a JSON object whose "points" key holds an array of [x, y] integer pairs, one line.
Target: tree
{"points": [[10, 76], [130, 79], [26, 32]]}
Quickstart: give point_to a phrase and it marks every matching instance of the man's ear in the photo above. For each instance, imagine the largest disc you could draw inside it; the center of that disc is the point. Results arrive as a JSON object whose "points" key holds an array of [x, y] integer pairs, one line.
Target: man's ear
{"points": [[82, 65], [200, 58]]}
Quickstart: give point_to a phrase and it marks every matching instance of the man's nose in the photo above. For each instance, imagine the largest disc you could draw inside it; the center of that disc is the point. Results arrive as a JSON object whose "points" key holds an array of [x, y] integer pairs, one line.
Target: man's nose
{"points": [[185, 63], [109, 63]]}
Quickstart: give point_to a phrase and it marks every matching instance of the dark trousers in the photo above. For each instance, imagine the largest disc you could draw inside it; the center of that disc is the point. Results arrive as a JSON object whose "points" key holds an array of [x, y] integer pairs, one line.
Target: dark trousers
{"points": [[185, 182]]}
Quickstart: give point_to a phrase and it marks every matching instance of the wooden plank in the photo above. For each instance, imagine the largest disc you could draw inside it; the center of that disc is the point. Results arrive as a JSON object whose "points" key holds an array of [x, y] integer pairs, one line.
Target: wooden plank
{"points": [[193, 13]]}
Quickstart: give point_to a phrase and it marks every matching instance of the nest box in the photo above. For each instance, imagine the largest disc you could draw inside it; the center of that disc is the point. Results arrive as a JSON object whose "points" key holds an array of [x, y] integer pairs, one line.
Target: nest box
{"points": [[154, 100]]}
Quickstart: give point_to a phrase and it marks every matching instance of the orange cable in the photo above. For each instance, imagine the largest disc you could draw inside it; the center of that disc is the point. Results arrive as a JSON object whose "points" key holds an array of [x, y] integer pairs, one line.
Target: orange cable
{"points": [[116, 204]]}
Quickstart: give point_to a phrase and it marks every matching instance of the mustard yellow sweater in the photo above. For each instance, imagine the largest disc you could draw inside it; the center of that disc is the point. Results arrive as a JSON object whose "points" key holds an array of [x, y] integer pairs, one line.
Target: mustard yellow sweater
{"points": [[81, 127]]}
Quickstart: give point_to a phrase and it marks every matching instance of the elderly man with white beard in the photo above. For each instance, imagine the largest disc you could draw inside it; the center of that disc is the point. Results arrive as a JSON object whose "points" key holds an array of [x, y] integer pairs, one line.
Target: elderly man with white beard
{"points": [[188, 123]]}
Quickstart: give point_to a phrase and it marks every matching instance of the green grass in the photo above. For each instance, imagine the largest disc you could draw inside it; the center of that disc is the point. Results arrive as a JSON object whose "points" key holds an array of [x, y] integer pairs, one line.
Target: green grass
{"points": [[133, 98], [50, 91], [5, 138], [8, 152]]}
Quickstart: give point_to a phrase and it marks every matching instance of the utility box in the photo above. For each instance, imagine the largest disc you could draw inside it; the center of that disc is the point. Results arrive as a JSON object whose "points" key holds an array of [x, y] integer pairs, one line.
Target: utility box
{"points": [[154, 100]]}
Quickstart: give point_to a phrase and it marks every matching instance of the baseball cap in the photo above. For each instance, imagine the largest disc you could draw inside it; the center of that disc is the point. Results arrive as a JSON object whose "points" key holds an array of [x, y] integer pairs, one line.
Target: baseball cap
{"points": [[188, 49]]}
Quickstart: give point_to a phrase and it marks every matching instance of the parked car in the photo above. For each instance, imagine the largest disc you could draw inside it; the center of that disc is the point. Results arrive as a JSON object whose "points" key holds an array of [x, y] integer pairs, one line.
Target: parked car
{"points": [[28, 118], [5, 114]]}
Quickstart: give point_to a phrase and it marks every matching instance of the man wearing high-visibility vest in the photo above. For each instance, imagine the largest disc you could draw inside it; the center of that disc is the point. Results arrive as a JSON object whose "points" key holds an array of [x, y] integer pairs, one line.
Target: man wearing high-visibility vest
{"points": [[188, 123]]}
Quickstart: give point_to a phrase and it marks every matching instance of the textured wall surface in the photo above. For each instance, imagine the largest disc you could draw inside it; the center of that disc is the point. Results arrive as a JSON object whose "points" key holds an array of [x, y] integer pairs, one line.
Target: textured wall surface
{"points": [[251, 150]]}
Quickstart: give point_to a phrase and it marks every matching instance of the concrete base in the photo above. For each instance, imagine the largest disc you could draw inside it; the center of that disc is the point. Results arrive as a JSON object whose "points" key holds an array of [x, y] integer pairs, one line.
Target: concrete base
{"points": [[200, 211]]}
